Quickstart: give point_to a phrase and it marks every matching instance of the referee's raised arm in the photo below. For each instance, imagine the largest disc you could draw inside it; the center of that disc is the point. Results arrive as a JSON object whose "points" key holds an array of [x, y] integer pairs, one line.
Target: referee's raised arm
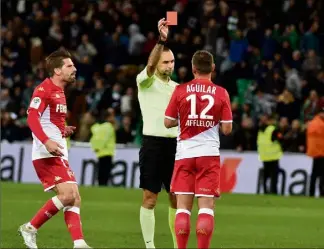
{"points": [[157, 154], [158, 49]]}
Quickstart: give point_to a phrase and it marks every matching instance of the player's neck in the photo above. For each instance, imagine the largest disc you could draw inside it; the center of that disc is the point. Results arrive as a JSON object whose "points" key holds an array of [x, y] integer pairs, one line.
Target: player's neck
{"points": [[58, 83], [163, 77], [202, 77]]}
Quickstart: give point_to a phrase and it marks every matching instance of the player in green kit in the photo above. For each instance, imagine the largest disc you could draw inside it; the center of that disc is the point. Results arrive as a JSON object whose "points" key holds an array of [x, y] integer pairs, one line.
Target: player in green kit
{"points": [[157, 154]]}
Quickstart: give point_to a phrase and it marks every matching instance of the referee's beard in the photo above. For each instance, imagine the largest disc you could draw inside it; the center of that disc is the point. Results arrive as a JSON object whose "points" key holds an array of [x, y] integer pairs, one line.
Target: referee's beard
{"points": [[164, 74]]}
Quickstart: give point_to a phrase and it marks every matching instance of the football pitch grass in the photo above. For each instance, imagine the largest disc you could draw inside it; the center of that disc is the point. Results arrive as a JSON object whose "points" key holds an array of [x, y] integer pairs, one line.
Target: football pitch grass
{"points": [[110, 218]]}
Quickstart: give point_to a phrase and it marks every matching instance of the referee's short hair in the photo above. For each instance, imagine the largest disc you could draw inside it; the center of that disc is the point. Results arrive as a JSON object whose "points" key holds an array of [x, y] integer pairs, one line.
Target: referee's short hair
{"points": [[166, 49], [203, 62]]}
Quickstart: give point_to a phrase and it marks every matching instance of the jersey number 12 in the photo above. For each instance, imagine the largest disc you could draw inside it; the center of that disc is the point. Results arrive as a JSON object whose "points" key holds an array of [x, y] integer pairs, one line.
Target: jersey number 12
{"points": [[193, 106]]}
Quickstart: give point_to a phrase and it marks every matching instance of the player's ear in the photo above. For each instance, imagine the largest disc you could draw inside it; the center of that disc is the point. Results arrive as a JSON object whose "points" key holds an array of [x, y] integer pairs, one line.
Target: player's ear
{"points": [[194, 71], [57, 71], [213, 67]]}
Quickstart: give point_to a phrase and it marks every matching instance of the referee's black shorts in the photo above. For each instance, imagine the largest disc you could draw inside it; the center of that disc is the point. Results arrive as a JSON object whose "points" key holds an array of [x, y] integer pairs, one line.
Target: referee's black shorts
{"points": [[156, 161]]}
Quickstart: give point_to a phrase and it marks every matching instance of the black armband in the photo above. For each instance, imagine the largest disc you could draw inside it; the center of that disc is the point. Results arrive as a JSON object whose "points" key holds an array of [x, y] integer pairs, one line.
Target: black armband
{"points": [[161, 42]]}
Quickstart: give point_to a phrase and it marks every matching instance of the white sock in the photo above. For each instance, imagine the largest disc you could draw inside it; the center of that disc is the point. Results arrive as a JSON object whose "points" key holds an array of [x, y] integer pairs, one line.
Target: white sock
{"points": [[31, 227], [79, 242], [147, 220]]}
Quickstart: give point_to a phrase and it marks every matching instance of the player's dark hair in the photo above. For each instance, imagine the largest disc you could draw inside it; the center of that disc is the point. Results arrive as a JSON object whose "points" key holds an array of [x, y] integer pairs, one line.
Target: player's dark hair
{"points": [[203, 61], [55, 60]]}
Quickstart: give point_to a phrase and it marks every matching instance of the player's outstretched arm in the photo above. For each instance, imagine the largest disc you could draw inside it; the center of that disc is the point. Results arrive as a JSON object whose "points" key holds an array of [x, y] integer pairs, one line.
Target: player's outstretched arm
{"points": [[158, 49]]}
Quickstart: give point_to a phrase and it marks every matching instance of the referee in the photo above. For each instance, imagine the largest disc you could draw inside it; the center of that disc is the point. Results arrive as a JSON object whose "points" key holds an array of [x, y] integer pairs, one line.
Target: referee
{"points": [[157, 154]]}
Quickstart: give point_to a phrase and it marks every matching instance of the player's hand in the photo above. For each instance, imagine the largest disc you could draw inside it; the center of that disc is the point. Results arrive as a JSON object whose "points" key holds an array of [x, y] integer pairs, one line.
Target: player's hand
{"points": [[163, 29], [68, 131], [54, 148]]}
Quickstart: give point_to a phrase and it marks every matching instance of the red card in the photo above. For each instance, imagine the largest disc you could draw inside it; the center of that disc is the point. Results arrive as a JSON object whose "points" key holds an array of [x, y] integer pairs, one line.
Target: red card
{"points": [[172, 17]]}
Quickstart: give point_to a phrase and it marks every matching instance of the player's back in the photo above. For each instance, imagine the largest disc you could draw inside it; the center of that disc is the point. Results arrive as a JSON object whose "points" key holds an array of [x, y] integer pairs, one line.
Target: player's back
{"points": [[50, 103], [202, 106]]}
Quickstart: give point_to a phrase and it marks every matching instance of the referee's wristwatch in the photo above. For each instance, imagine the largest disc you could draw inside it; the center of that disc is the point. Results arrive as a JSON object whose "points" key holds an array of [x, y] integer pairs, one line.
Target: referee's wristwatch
{"points": [[161, 42]]}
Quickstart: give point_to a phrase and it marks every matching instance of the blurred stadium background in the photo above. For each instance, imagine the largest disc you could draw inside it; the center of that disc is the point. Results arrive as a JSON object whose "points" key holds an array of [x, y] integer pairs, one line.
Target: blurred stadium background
{"points": [[269, 56]]}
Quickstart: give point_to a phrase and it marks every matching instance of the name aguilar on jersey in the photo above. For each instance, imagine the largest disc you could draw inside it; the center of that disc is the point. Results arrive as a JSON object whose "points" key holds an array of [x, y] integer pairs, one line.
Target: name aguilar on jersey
{"points": [[196, 88]]}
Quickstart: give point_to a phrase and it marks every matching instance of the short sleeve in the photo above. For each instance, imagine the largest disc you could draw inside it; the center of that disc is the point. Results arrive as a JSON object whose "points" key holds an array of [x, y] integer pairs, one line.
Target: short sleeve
{"points": [[143, 80], [226, 116], [172, 109], [38, 101]]}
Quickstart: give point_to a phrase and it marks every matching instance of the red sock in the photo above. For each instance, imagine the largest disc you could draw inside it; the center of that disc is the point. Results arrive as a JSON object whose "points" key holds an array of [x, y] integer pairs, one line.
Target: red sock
{"points": [[73, 222], [204, 227], [50, 208], [182, 227]]}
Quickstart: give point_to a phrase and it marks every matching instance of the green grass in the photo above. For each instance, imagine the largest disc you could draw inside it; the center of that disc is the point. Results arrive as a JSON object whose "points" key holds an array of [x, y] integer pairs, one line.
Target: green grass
{"points": [[110, 219]]}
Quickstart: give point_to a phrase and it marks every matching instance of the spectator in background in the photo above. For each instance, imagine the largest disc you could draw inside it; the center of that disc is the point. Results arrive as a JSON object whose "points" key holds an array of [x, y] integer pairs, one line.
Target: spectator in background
{"points": [[116, 97], [295, 138], [238, 47], [312, 63], [125, 133], [136, 42], [10, 132], [288, 106], [270, 152], [283, 129], [245, 136], [311, 106], [149, 44], [297, 60], [5, 98], [315, 150], [211, 35], [310, 40], [293, 81], [95, 96], [269, 45], [103, 143], [126, 101], [76, 102], [28, 92], [86, 48], [263, 104]]}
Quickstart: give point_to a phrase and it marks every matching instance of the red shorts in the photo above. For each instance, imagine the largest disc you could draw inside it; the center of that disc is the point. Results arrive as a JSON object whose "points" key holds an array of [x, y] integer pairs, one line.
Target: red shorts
{"points": [[52, 171], [199, 176]]}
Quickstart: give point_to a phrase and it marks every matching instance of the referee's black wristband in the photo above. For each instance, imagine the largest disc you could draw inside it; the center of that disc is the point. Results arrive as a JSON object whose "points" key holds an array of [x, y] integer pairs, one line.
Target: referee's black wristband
{"points": [[161, 42]]}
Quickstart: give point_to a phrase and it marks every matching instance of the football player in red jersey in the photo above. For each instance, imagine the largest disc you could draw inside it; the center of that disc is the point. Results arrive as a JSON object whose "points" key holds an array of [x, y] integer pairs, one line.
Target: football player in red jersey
{"points": [[46, 119], [200, 109]]}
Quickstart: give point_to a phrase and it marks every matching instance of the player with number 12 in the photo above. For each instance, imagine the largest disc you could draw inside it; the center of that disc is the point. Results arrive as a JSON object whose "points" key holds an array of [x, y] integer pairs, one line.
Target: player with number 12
{"points": [[202, 109]]}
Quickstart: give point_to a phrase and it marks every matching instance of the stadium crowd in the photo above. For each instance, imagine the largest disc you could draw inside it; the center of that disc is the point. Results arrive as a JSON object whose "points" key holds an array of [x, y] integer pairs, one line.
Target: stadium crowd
{"points": [[268, 56]]}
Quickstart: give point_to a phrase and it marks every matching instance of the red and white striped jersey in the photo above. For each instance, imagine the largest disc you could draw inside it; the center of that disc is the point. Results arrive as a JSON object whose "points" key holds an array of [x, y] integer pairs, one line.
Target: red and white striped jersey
{"points": [[199, 106]]}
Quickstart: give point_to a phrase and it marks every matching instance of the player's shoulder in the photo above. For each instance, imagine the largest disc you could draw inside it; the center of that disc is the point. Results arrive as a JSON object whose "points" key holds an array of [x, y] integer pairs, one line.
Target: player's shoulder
{"points": [[43, 87], [221, 91]]}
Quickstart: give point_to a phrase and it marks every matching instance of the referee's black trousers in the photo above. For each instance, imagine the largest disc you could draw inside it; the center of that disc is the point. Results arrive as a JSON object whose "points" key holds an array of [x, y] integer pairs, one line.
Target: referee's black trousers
{"points": [[271, 172], [104, 170], [317, 173]]}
